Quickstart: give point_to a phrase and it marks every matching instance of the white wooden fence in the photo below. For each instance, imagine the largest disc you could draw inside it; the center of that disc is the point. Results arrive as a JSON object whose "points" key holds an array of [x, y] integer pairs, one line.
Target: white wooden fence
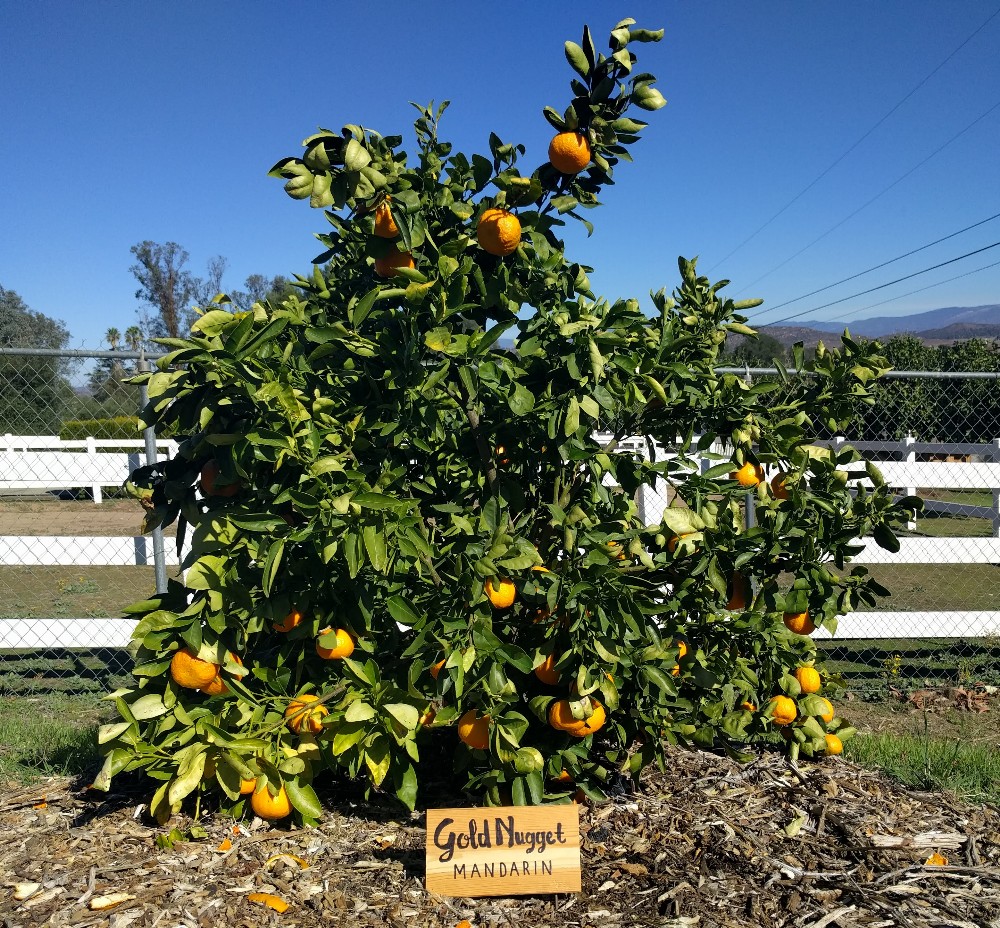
{"points": [[44, 463], [48, 464]]}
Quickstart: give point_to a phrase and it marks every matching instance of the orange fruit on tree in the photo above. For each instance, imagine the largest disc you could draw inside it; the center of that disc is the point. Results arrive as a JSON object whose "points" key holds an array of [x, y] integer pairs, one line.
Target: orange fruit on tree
{"points": [[749, 706], [427, 716], [190, 671], [498, 232], [218, 686], [436, 669], [808, 678], [828, 712], [343, 648], [834, 745], [783, 710], [562, 777], [209, 482], [247, 786], [682, 649], [546, 671], [387, 266], [502, 596], [779, 489], [301, 718], [474, 730], [589, 725], [739, 592], [562, 719], [561, 715], [799, 622], [749, 475], [674, 540], [271, 807], [615, 549], [385, 225], [290, 621], [569, 152]]}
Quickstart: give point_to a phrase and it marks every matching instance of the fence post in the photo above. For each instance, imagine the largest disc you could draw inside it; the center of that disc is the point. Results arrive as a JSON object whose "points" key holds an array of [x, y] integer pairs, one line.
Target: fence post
{"points": [[95, 489], [911, 458], [159, 554]]}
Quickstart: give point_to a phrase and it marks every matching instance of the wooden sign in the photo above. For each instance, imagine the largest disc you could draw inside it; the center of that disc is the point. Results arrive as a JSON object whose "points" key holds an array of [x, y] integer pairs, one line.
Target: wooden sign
{"points": [[503, 851]]}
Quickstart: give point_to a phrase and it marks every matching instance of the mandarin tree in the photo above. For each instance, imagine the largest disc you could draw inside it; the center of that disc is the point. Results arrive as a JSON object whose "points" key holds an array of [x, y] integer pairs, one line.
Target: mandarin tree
{"points": [[406, 538]]}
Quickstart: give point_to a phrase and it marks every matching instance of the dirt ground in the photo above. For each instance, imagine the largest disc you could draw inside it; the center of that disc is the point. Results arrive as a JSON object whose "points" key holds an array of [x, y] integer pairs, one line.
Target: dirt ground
{"points": [[70, 517], [709, 844]]}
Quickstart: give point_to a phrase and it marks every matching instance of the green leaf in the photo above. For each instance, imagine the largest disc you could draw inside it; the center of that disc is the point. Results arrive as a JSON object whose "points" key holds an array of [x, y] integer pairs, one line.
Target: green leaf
{"points": [[648, 98], [189, 774], [572, 423], [379, 501], [577, 59], [360, 711], [885, 538], [402, 611], [406, 787], [375, 546], [303, 798], [108, 733], [356, 156], [271, 564], [521, 400], [408, 716]]}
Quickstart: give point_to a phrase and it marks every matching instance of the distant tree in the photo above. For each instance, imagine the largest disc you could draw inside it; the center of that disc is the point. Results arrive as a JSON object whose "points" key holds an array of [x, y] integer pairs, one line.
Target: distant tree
{"points": [[33, 390], [753, 352], [166, 289], [106, 381], [935, 409]]}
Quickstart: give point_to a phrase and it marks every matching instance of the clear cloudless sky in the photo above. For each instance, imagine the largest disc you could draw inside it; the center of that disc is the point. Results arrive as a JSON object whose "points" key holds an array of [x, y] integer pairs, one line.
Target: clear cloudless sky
{"points": [[123, 121]]}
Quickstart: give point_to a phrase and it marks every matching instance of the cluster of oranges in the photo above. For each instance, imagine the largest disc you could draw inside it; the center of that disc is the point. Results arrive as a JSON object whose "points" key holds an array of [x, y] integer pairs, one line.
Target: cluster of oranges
{"points": [[498, 230], [589, 716], [783, 709]]}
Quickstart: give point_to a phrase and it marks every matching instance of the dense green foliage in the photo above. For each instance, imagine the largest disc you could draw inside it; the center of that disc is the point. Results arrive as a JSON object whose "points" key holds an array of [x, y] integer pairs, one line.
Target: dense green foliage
{"points": [[116, 427], [385, 467]]}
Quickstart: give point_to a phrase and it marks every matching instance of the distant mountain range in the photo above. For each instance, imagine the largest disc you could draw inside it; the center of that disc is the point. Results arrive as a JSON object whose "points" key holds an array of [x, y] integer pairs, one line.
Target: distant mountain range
{"points": [[937, 326]]}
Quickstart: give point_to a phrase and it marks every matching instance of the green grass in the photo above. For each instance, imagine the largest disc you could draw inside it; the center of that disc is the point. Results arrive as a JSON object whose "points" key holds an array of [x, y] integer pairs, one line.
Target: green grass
{"points": [[71, 592], [971, 771], [45, 736]]}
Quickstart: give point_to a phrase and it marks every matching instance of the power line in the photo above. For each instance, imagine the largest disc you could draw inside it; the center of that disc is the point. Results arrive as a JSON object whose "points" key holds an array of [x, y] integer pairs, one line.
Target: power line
{"points": [[902, 296], [823, 174], [926, 270], [876, 267], [881, 193]]}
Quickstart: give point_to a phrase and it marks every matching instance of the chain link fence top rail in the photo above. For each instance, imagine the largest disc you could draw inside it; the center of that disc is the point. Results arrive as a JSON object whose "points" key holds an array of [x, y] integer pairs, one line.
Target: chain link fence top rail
{"points": [[72, 556]]}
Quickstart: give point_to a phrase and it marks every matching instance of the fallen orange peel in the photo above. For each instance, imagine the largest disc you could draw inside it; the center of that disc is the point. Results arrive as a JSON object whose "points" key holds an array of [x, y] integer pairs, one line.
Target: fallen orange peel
{"points": [[270, 900]]}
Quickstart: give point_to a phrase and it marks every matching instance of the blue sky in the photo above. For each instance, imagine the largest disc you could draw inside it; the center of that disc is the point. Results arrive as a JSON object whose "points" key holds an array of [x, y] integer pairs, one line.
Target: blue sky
{"points": [[126, 121]]}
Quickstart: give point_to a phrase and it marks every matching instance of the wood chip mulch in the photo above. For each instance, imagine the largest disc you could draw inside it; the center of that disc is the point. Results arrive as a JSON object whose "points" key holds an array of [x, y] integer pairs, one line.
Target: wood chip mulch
{"points": [[712, 843]]}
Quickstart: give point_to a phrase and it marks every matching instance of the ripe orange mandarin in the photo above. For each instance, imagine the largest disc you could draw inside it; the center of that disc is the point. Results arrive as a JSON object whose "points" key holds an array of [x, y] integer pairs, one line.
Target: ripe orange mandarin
{"points": [[385, 225], [501, 596], [474, 730], [546, 671], [301, 718], [271, 807], [343, 648], [387, 266], [749, 475], [499, 232], [799, 622], [569, 152], [190, 671]]}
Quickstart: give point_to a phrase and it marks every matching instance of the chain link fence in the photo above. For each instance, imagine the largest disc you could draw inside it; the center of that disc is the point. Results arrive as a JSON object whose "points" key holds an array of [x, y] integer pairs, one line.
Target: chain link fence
{"points": [[72, 555]]}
